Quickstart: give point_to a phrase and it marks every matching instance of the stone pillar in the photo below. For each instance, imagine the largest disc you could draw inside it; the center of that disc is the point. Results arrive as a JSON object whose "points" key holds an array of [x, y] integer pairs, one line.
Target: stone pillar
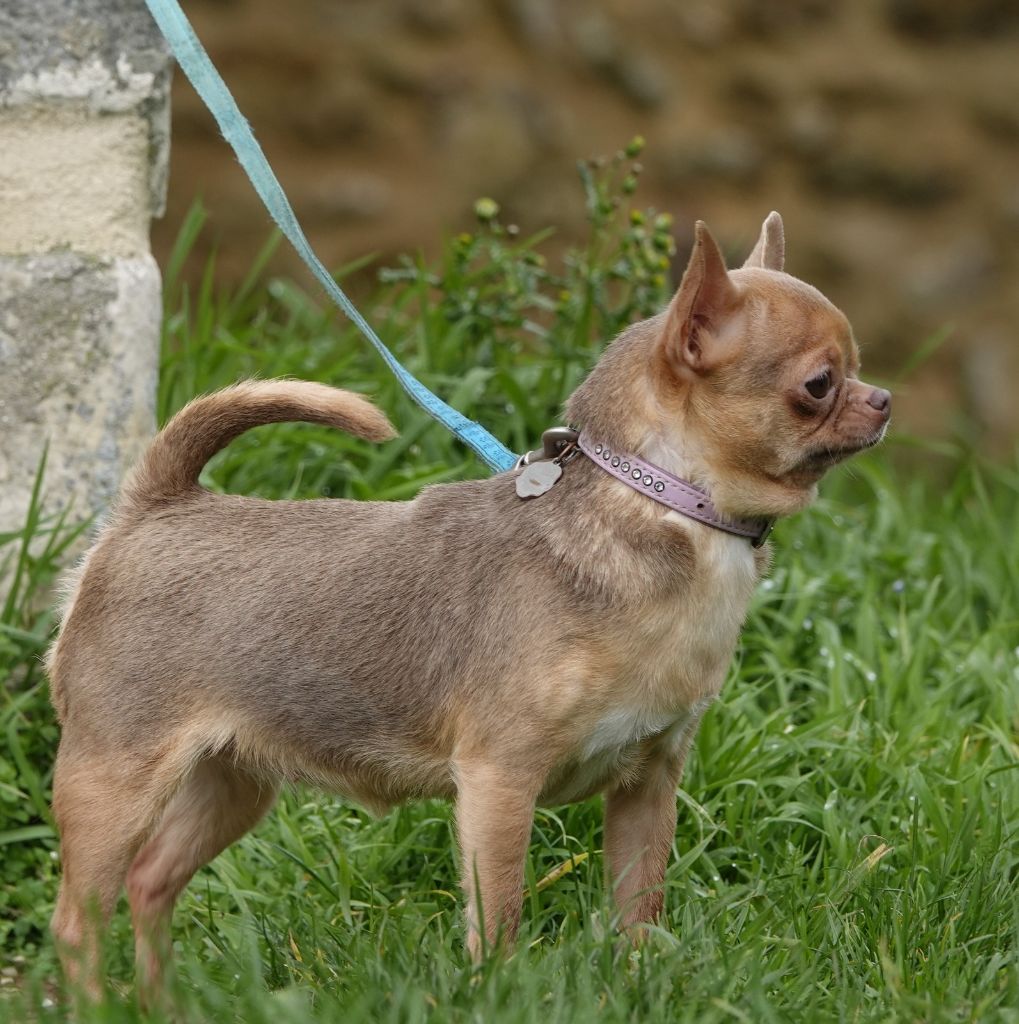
{"points": [[84, 123]]}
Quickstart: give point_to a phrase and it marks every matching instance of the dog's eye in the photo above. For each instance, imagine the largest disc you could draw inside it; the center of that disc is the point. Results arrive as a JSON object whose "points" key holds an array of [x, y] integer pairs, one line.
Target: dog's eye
{"points": [[820, 385]]}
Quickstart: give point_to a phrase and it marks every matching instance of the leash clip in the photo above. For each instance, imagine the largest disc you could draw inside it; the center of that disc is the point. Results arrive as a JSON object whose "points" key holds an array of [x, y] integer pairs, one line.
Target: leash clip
{"points": [[559, 443]]}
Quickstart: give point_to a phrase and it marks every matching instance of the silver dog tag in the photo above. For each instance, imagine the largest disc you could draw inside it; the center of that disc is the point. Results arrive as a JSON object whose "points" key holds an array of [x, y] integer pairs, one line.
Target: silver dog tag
{"points": [[537, 478]]}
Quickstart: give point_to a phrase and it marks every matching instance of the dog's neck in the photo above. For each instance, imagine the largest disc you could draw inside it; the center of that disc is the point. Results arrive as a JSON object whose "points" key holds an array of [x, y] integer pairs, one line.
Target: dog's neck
{"points": [[678, 444], [680, 455], [675, 493], [621, 404], [694, 451]]}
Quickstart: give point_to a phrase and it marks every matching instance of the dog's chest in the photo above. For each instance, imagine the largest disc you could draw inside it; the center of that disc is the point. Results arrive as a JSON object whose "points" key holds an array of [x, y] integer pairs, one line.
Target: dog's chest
{"points": [[676, 650], [670, 661], [616, 748]]}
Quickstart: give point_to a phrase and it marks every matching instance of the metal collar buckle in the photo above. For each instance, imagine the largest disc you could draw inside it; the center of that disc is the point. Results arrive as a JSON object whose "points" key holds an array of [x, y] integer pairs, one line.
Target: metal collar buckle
{"points": [[761, 538]]}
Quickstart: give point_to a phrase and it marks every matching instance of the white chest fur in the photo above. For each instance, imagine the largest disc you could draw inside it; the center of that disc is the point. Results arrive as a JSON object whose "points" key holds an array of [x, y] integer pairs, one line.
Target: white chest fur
{"points": [[612, 748], [623, 726]]}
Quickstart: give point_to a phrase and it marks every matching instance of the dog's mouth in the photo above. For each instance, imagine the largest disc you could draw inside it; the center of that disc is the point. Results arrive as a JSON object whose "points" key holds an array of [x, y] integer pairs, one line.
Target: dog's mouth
{"points": [[824, 458]]}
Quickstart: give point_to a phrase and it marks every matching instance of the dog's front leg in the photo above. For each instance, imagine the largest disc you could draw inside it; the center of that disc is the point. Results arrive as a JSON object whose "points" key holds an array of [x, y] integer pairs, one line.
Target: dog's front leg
{"points": [[495, 811], [640, 821]]}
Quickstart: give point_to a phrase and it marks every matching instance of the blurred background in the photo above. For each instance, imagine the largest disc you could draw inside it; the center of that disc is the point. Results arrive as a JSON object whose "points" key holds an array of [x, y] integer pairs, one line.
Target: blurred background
{"points": [[886, 132]]}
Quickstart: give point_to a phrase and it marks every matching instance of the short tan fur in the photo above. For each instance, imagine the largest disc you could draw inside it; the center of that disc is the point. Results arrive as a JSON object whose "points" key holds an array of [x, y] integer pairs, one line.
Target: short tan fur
{"points": [[467, 644]]}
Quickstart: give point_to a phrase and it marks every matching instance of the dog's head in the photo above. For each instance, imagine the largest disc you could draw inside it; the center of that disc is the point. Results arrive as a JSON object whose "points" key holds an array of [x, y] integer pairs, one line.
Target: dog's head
{"points": [[760, 370]]}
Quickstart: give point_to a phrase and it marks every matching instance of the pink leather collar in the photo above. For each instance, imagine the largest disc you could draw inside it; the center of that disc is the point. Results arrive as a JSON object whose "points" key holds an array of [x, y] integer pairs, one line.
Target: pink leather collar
{"points": [[670, 491]]}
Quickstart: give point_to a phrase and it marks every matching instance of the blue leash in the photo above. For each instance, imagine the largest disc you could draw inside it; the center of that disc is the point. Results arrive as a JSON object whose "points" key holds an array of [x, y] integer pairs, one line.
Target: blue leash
{"points": [[195, 63]]}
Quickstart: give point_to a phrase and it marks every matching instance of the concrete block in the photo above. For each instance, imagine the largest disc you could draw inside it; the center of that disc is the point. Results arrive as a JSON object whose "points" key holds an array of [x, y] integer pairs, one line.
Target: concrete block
{"points": [[84, 129], [78, 368]]}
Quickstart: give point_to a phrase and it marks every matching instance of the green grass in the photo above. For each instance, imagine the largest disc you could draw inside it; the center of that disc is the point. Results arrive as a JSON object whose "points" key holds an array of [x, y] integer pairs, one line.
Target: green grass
{"points": [[848, 842]]}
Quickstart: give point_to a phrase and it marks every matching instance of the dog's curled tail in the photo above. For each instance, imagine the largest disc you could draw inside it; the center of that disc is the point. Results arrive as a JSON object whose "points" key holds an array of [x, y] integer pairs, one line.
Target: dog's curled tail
{"points": [[172, 462]]}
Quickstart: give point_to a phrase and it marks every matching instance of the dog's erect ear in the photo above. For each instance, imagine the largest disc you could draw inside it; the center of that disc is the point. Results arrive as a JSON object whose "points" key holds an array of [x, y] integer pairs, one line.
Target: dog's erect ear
{"points": [[705, 296], [769, 253]]}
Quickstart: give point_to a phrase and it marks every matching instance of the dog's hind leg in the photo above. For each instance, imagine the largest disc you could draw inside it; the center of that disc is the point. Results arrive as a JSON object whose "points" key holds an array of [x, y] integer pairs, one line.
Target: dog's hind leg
{"points": [[104, 803], [217, 803]]}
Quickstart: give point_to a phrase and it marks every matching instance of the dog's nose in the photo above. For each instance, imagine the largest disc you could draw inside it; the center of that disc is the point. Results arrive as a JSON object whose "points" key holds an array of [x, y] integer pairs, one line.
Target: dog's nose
{"points": [[881, 400]]}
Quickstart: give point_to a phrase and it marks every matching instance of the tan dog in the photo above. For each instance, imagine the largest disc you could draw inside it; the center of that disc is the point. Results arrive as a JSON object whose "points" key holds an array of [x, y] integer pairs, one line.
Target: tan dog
{"points": [[467, 644]]}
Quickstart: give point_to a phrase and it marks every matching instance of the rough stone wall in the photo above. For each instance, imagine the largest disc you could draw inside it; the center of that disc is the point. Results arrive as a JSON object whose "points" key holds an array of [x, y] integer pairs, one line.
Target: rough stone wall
{"points": [[886, 131], [84, 120]]}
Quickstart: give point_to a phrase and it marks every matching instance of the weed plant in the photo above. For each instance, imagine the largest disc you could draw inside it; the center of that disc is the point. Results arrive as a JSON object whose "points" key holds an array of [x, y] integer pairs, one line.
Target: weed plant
{"points": [[848, 842]]}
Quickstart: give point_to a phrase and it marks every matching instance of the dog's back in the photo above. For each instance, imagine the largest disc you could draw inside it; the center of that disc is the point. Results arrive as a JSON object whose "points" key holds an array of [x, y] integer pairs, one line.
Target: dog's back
{"points": [[168, 471]]}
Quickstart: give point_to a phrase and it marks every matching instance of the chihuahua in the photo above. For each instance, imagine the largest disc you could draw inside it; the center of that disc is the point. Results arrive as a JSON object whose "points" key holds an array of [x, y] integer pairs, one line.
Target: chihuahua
{"points": [[507, 642]]}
